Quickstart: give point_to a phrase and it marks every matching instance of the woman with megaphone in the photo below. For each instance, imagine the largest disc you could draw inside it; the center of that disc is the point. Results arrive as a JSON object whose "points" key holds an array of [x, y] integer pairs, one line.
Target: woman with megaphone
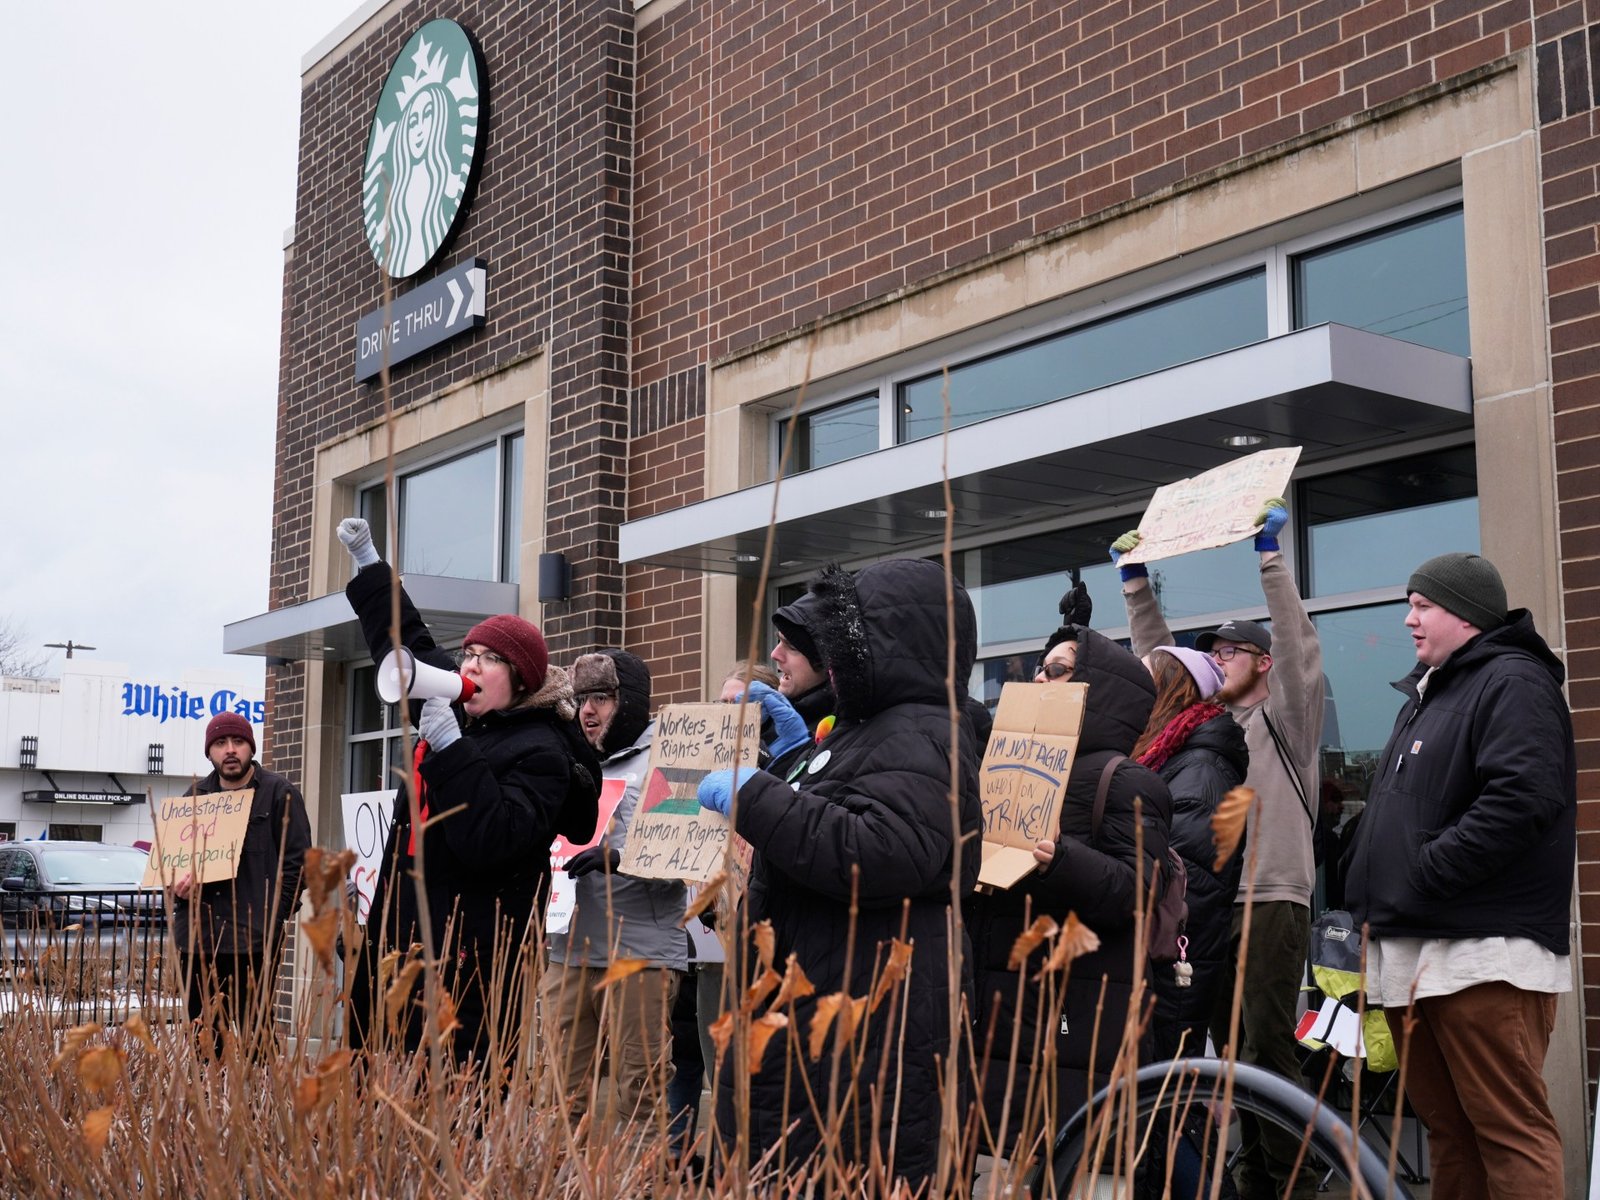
{"points": [[494, 786]]}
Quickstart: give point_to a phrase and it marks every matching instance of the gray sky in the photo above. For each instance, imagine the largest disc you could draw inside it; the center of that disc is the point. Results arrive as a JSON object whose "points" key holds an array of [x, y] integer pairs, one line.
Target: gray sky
{"points": [[149, 179]]}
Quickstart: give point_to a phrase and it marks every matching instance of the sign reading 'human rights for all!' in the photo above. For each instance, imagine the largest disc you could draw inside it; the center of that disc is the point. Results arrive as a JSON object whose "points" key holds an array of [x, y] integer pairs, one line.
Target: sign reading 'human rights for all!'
{"points": [[428, 314]]}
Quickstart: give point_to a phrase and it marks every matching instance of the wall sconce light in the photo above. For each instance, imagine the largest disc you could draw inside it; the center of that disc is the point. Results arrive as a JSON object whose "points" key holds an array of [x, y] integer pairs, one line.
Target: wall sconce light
{"points": [[555, 577], [28, 759], [156, 759]]}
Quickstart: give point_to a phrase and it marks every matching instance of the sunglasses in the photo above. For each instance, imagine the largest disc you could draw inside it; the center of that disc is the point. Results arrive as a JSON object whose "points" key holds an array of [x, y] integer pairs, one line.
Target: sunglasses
{"points": [[1055, 670]]}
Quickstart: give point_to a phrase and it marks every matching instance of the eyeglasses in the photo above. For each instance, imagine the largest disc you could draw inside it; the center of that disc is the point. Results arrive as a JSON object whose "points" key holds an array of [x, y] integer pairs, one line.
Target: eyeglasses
{"points": [[484, 658], [599, 697], [1055, 670], [1226, 653]]}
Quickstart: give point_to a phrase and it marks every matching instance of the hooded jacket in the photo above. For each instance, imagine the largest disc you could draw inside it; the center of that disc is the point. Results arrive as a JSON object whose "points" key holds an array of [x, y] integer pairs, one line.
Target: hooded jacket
{"points": [[1204, 769], [869, 820], [1469, 828], [509, 784], [1101, 880]]}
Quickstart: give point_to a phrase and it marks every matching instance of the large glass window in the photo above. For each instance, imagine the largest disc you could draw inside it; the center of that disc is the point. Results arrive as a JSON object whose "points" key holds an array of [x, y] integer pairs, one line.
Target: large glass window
{"points": [[460, 518], [374, 734], [833, 434], [1408, 281], [1220, 316]]}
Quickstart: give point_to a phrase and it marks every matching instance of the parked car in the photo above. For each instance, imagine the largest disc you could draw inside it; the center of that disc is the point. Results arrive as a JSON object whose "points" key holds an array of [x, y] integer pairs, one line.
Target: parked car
{"points": [[63, 883]]}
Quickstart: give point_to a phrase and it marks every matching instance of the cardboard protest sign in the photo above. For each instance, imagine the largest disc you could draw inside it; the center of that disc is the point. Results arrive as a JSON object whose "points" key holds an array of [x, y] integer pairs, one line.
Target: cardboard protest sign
{"points": [[558, 913], [1216, 508], [672, 837], [1023, 778], [367, 818], [199, 836]]}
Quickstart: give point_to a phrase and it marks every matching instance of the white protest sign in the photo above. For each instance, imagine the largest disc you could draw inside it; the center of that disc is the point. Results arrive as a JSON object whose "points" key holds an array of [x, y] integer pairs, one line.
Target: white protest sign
{"points": [[563, 897], [367, 817], [1214, 509]]}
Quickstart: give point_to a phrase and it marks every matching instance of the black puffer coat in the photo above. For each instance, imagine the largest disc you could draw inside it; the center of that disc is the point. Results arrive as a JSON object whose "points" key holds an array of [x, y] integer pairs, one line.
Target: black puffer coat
{"points": [[870, 820], [1212, 761], [1097, 880], [515, 779]]}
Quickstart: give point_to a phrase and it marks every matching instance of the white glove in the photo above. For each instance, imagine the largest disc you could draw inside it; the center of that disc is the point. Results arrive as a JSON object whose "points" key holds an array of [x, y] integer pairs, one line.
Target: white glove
{"points": [[437, 725], [357, 539]]}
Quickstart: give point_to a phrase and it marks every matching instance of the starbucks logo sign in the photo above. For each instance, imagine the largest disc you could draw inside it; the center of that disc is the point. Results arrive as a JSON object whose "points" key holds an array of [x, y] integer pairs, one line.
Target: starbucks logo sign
{"points": [[423, 147]]}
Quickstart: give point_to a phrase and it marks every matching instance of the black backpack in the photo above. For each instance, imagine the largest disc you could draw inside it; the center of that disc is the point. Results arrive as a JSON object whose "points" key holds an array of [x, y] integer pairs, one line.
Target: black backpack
{"points": [[1165, 922]]}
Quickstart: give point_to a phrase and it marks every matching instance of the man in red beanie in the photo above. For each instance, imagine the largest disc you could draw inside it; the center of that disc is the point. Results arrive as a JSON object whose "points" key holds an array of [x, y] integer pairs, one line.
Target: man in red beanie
{"points": [[228, 932]]}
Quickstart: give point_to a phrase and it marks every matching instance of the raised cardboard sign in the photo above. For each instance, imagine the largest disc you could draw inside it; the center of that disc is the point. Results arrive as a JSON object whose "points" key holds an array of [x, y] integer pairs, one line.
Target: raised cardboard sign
{"points": [[1023, 778], [672, 837], [198, 835], [1216, 508]]}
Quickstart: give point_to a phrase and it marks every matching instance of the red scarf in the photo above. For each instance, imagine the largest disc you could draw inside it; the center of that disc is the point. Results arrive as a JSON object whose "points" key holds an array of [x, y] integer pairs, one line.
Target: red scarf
{"points": [[1171, 739], [422, 796]]}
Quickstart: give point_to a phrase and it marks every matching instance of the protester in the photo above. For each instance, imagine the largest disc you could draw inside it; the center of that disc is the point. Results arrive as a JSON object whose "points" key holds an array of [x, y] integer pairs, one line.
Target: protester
{"points": [[801, 676], [1100, 878], [1273, 687], [1200, 752], [1462, 869], [869, 822], [228, 932], [493, 796], [616, 917]]}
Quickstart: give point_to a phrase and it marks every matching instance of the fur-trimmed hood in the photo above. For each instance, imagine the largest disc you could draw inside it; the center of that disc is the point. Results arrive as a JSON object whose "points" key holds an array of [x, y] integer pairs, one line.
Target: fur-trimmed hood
{"points": [[883, 636], [1121, 692]]}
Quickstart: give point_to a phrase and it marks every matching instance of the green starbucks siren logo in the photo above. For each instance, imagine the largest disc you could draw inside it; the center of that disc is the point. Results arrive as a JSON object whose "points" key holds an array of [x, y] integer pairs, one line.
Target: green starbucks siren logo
{"points": [[423, 147]]}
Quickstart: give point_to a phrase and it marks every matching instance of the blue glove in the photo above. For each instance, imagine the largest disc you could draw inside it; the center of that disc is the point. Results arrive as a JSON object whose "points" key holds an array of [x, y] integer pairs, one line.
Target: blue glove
{"points": [[1272, 517], [437, 725], [717, 788], [789, 726], [1120, 547]]}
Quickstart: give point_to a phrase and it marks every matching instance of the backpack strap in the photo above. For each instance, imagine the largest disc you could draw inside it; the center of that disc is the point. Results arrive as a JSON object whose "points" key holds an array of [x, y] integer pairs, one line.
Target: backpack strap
{"points": [[1104, 786]]}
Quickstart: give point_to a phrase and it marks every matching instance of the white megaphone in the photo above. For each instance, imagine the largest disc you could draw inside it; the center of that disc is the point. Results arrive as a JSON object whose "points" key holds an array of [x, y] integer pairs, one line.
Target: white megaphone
{"points": [[400, 667]]}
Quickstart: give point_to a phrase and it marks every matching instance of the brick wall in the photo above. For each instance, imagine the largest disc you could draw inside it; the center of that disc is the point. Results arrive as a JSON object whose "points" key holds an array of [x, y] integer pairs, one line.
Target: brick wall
{"points": [[1568, 70]]}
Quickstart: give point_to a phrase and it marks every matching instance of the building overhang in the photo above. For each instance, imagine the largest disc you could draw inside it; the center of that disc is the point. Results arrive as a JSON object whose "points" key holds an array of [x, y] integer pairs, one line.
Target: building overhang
{"points": [[1330, 389], [326, 628]]}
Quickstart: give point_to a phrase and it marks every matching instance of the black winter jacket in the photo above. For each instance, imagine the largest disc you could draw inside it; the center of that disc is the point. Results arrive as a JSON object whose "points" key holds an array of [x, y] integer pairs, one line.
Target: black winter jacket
{"points": [[1211, 762], [1100, 881], [515, 779], [870, 821], [1469, 829], [245, 914]]}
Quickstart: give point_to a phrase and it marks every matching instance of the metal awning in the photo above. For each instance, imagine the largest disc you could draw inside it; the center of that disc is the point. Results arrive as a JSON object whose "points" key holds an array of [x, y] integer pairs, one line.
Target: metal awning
{"points": [[326, 628], [1330, 389]]}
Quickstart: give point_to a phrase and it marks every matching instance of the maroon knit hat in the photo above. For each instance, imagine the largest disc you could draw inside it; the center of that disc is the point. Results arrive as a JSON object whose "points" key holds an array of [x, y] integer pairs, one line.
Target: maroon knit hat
{"points": [[517, 641], [229, 725]]}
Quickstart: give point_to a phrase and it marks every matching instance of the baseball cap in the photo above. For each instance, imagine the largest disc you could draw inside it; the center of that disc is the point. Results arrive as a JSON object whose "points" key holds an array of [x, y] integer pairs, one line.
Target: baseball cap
{"points": [[1246, 632]]}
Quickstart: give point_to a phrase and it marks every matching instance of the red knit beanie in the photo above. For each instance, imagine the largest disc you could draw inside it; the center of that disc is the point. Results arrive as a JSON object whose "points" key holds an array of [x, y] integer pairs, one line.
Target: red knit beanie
{"points": [[229, 725], [517, 641]]}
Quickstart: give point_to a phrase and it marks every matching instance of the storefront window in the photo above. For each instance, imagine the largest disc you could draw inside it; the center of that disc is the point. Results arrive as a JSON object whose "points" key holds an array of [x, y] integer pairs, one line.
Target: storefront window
{"points": [[1207, 320], [374, 734], [833, 434], [1408, 281], [511, 508]]}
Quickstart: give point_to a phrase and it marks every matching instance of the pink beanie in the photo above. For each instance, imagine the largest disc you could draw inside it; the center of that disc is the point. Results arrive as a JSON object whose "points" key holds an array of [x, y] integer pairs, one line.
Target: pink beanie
{"points": [[1202, 668]]}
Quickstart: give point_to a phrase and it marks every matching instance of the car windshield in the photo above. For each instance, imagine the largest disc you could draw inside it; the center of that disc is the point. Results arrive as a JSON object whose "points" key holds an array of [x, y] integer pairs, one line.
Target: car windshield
{"points": [[94, 866]]}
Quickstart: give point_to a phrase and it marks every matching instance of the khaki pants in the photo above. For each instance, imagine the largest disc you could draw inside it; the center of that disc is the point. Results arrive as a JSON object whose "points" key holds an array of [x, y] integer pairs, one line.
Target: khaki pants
{"points": [[628, 1025], [1474, 1063]]}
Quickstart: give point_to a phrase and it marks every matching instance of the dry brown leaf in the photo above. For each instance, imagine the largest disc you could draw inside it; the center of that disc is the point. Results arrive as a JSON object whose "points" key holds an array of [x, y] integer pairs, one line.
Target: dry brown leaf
{"points": [[398, 994], [835, 1009], [444, 1021], [321, 931], [721, 1031], [1030, 939], [99, 1068], [72, 1041], [795, 984], [760, 990], [135, 1025], [325, 874], [761, 1032], [765, 941], [1074, 941], [97, 1128], [620, 970], [1228, 822], [893, 971], [307, 1095], [311, 872], [335, 1063], [704, 898]]}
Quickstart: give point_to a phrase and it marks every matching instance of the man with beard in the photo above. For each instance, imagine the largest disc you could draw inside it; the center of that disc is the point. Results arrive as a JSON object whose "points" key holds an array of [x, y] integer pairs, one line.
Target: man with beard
{"points": [[1277, 698], [228, 932]]}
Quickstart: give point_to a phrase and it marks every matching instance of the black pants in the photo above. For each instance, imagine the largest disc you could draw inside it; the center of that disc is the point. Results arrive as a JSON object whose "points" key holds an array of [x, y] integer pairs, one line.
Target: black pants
{"points": [[228, 984]]}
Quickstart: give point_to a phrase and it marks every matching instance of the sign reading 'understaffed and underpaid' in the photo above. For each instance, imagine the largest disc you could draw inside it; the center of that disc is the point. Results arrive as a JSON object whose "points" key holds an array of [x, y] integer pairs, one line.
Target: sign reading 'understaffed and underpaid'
{"points": [[672, 837], [1023, 779], [200, 836]]}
